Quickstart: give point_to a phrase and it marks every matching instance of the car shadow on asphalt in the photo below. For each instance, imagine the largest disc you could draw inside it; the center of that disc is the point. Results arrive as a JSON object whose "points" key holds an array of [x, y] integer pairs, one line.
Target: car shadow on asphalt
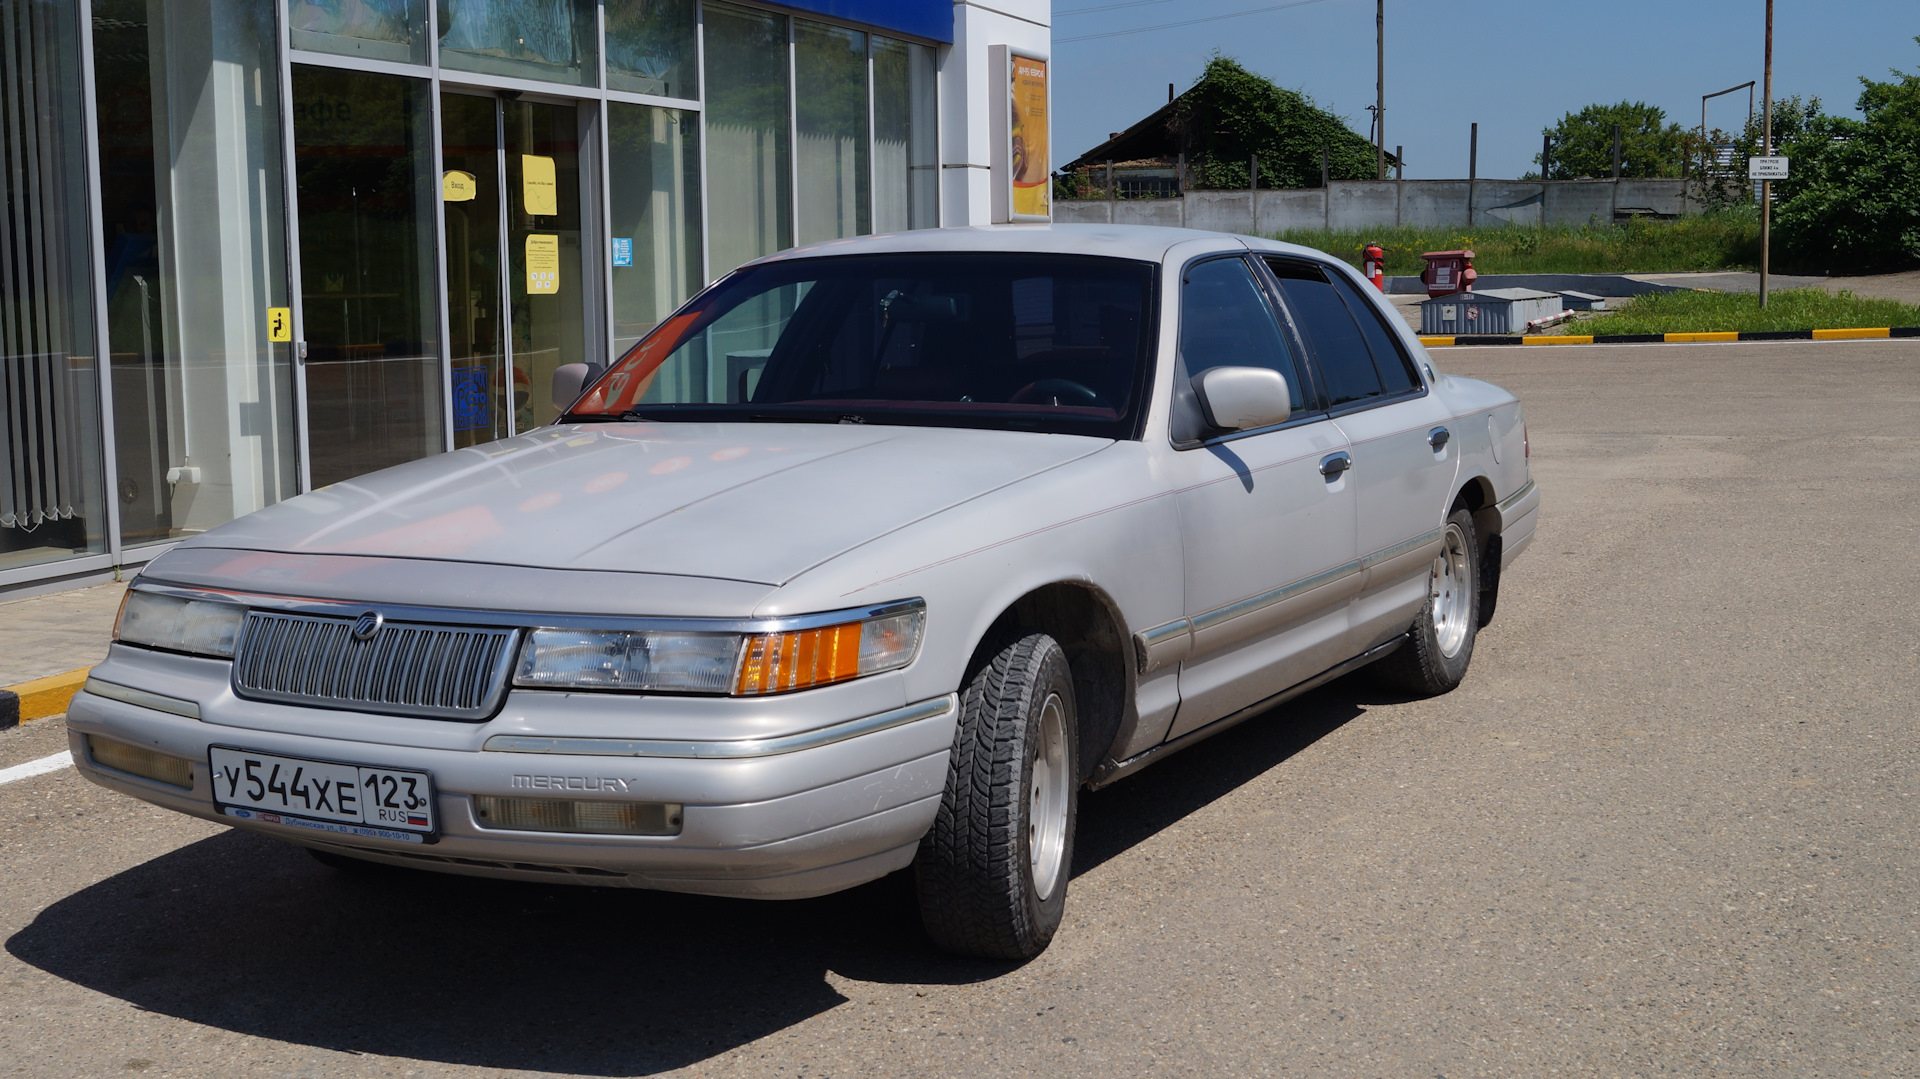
{"points": [[245, 934]]}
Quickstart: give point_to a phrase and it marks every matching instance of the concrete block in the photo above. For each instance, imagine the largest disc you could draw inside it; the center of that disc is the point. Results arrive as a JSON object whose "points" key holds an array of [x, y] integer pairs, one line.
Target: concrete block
{"points": [[1219, 211], [1362, 204], [1576, 202], [1083, 211], [1662, 196], [1282, 211], [1166, 212], [1434, 203], [1506, 202]]}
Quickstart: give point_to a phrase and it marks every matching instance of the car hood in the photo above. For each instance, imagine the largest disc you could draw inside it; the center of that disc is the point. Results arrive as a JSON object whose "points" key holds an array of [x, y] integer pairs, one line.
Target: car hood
{"points": [[749, 502]]}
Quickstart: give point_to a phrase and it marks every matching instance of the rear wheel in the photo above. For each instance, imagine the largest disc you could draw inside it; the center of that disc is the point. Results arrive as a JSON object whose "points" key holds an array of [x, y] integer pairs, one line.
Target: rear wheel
{"points": [[992, 872], [1434, 660]]}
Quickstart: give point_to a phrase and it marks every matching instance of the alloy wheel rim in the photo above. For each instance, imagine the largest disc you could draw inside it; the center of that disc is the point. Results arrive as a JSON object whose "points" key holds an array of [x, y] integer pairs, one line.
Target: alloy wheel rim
{"points": [[1047, 790], [1449, 590]]}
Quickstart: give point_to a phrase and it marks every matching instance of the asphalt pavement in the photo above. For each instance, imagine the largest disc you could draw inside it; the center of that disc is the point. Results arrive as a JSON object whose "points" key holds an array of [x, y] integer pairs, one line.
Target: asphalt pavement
{"points": [[1665, 827]]}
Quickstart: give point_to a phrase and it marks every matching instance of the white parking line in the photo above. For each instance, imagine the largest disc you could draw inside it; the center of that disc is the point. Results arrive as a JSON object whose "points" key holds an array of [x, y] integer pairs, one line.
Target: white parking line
{"points": [[62, 759]]}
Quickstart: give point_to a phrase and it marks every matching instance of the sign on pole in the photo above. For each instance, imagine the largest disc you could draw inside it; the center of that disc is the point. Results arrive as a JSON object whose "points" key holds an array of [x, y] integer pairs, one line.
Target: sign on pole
{"points": [[1766, 168]]}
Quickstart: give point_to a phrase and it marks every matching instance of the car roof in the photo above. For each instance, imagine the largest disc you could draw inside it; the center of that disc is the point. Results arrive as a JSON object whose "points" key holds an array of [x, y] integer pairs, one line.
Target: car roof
{"points": [[1143, 242]]}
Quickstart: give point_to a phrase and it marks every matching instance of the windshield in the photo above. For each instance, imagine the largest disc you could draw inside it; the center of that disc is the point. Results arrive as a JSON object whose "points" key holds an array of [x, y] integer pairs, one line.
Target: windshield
{"points": [[1055, 343]]}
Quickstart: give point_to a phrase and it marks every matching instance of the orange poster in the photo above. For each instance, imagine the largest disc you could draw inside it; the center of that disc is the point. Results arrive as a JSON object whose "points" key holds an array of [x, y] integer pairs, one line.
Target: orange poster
{"points": [[1031, 182]]}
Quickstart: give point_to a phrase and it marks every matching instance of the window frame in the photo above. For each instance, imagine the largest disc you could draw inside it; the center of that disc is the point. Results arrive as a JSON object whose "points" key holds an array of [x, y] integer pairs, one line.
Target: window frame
{"points": [[1314, 408], [1328, 269]]}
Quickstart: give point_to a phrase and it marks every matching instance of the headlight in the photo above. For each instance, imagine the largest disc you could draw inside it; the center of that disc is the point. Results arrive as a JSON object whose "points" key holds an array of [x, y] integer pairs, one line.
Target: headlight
{"points": [[735, 664], [199, 626]]}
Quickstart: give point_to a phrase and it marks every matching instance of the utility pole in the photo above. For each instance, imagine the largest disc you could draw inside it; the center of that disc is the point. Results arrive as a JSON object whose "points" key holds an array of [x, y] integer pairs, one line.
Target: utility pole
{"points": [[1766, 150], [1380, 88]]}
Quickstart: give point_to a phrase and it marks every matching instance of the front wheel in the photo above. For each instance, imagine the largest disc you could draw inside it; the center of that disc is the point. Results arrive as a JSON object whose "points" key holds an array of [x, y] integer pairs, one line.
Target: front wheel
{"points": [[992, 872], [1434, 659]]}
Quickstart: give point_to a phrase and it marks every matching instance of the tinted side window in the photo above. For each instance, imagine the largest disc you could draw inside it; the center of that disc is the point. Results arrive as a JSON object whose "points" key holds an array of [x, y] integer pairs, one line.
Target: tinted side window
{"points": [[1345, 362], [1227, 321], [1395, 369]]}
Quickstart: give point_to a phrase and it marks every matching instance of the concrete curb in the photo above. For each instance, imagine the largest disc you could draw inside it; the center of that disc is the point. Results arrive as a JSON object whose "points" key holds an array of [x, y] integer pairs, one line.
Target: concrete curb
{"points": [[1673, 338], [39, 698]]}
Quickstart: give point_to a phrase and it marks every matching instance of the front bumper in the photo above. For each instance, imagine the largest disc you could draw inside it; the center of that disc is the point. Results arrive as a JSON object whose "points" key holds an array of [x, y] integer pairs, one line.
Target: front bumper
{"points": [[829, 788]]}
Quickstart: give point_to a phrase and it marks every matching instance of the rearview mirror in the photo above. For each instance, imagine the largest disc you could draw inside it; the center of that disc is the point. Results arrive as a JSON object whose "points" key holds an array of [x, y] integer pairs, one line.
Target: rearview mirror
{"points": [[569, 379], [1242, 398]]}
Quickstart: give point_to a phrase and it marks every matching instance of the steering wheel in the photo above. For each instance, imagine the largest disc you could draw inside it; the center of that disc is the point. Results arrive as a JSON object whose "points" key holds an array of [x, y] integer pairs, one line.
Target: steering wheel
{"points": [[1057, 392]]}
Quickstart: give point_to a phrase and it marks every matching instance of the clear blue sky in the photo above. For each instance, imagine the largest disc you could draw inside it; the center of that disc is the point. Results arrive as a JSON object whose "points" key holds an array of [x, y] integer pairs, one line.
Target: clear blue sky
{"points": [[1518, 67]]}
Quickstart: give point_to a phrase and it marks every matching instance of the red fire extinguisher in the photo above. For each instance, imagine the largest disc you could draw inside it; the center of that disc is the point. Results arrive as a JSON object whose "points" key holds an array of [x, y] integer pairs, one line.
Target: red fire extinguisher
{"points": [[1376, 260]]}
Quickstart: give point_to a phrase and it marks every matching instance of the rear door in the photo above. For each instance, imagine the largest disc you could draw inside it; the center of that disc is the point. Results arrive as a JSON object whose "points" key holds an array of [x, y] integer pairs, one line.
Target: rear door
{"points": [[1403, 453], [1268, 540]]}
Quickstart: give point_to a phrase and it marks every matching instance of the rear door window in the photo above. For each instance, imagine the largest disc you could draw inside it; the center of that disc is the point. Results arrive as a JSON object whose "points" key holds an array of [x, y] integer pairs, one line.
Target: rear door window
{"points": [[1338, 349]]}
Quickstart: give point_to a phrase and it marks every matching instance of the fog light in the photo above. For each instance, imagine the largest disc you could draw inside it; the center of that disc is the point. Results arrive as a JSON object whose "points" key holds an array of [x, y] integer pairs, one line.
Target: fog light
{"points": [[568, 815], [145, 763]]}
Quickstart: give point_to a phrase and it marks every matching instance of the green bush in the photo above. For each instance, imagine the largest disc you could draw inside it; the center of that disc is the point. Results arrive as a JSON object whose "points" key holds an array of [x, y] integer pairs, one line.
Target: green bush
{"points": [[1853, 202], [1727, 240]]}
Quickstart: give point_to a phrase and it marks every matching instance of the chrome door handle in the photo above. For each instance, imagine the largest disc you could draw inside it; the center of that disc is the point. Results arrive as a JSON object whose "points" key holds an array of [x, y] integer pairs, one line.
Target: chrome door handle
{"points": [[1438, 437], [1334, 464]]}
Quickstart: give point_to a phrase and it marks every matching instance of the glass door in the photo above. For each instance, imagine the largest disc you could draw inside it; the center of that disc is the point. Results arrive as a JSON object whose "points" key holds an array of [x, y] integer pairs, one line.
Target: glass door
{"points": [[476, 318], [510, 195], [546, 322], [364, 179]]}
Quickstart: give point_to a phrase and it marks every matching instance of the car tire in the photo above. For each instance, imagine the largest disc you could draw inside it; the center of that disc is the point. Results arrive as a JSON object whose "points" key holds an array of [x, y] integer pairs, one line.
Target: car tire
{"points": [[992, 872], [1440, 645]]}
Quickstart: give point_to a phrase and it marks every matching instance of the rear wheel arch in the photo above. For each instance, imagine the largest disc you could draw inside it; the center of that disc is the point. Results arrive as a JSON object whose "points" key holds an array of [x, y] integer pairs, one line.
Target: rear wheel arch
{"points": [[1089, 628], [1477, 496]]}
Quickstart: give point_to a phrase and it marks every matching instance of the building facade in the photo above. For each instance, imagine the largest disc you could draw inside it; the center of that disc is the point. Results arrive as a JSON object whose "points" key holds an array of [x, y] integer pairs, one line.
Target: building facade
{"points": [[253, 247]]}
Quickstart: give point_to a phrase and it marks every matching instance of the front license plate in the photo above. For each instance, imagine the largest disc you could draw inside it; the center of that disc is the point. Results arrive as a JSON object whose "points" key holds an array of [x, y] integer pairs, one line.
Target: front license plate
{"points": [[326, 796]]}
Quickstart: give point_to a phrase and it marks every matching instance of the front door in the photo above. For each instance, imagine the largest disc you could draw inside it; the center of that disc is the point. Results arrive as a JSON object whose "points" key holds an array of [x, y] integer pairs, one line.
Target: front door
{"points": [[1268, 535]]}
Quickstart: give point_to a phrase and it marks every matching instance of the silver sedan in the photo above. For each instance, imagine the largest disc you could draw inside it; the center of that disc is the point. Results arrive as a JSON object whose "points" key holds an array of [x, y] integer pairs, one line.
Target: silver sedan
{"points": [[872, 556]]}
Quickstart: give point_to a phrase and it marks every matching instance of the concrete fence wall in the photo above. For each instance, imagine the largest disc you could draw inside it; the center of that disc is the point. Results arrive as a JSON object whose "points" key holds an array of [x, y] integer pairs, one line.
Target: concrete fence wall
{"points": [[1365, 204]]}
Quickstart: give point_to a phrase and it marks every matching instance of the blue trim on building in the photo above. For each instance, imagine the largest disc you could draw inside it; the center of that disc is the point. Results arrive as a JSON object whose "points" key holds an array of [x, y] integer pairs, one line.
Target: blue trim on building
{"points": [[930, 19]]}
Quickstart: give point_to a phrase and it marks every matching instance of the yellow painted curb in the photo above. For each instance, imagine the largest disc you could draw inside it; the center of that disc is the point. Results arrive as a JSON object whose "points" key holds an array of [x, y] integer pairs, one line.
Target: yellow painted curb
{"points": [[1562, 339], [1721, 335], [1432, 342], [48, 696], [1843, 335]]}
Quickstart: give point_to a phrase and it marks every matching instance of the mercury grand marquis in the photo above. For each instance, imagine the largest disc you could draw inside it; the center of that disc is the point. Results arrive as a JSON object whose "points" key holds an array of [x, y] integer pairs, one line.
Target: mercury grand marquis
{"points": [[871, 557]]}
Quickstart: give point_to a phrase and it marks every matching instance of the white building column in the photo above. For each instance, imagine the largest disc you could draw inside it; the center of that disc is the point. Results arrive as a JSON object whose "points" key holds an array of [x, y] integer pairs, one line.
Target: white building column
{"points": [[970, 88]]}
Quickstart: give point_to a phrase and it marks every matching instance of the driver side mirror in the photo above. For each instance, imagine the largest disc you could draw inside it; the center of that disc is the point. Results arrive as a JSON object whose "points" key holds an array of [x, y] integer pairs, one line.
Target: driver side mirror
{"points": [[569, 379], [1242, 398]]}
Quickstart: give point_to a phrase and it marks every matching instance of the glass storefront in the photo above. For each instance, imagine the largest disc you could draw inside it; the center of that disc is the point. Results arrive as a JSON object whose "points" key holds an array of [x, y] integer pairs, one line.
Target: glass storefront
{"points": [[193, 222], [338, 235], [364, 183]]}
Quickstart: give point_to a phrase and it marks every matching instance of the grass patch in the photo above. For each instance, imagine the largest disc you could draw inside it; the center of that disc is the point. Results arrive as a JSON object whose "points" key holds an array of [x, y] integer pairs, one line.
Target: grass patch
{"points": [[1707, 312], [1727, 240]]}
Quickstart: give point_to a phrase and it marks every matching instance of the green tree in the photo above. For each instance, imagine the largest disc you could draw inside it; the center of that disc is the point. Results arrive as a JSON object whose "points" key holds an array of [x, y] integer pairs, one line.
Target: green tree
{"points": [[1853, 201], [1583, 142]]}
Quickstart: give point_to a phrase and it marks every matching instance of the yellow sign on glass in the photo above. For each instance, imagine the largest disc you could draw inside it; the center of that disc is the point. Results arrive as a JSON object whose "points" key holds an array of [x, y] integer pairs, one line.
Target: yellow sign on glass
{"points": [[458, 186], [279, 323], [538, 191], [543, 264]]}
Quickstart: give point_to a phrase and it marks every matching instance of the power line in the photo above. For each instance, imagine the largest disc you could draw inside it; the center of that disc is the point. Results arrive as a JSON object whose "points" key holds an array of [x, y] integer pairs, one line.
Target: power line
{"points": [[1184, 22], [1109, 7]]}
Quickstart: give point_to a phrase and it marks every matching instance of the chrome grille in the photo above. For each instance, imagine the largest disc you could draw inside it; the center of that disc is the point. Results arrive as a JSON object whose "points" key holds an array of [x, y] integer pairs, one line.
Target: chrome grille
{"points": [[406, 668]]}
